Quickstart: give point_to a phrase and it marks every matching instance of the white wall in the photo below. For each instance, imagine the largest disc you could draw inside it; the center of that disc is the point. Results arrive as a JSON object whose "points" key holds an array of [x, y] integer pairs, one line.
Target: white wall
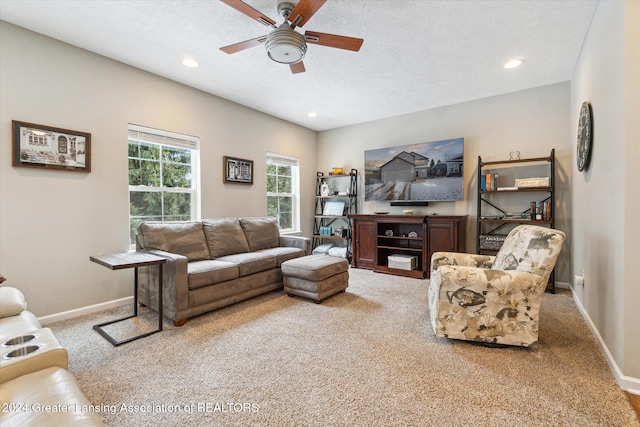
{"points": [[605, 197], [532, 121], [631, 317], [52, 221]]}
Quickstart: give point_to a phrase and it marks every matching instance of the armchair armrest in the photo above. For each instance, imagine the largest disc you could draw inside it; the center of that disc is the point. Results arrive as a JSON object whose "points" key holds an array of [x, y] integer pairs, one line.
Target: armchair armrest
{"points": [[486, 305], [457, 258], [300, 242], [175, 287]]}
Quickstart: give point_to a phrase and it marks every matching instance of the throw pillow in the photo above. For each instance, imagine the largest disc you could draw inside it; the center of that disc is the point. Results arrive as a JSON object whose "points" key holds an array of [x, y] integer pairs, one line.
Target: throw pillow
{"points": [[224, 237], [261, 233], [184, 238]]}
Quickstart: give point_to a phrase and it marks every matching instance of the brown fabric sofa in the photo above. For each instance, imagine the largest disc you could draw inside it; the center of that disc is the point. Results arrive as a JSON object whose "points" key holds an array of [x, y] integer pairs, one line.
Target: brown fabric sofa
{"points": [[213, 263]]}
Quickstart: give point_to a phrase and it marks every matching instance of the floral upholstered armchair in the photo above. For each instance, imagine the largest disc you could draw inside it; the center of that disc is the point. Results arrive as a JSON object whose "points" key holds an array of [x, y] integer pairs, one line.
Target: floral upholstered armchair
{"points": [[494, 299]]}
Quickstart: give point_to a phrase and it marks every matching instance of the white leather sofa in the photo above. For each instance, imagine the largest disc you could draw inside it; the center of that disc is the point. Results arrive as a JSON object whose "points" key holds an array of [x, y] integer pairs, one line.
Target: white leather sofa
{"points": [[36, 389]]}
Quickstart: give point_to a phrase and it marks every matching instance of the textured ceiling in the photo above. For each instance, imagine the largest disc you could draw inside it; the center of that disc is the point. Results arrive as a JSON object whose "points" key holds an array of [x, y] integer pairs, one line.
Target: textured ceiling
{"points": [[417, 54]]}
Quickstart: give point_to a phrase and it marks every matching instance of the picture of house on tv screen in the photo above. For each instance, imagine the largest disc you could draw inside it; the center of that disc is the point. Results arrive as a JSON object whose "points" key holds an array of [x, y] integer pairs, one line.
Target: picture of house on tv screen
{"points": [[429, 171]]}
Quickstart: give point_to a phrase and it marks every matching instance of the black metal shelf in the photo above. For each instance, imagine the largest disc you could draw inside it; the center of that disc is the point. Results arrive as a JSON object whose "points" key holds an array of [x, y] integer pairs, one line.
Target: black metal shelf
{"points": [[520, 221], [351, 207], [519, 190], [495, 198]]}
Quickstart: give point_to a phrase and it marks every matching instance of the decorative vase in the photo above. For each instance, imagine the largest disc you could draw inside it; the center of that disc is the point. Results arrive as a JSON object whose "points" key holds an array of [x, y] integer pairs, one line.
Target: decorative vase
{"points": [[324, 189]]}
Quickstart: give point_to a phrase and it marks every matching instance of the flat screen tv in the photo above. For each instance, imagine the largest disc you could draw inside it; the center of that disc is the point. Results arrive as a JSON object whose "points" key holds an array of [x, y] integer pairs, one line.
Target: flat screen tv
{"points": [[415, 174]]}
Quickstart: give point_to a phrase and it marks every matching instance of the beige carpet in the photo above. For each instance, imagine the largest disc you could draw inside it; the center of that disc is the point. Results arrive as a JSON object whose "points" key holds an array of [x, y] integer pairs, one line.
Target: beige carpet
{"points": [[367, 357]]}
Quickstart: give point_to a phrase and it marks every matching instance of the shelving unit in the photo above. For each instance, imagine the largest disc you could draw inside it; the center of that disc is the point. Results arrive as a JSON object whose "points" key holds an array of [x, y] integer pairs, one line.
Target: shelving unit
{"points": [[496, 205], [378, 237], [342, 188], [393, 239]]}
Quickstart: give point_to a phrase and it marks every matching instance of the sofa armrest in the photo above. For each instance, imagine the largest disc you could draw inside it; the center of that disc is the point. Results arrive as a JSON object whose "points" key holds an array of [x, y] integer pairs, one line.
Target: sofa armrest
{"points": [[300, 242], [20, 324], [175, 286], [457, 258]]}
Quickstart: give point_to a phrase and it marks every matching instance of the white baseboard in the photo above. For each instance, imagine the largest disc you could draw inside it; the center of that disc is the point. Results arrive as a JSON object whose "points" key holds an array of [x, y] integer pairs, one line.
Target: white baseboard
{"points": [[84, 310], [562, 285], [630, 384]]}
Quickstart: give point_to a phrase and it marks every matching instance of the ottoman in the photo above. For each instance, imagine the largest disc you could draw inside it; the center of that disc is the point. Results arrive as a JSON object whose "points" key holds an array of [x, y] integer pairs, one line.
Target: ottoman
{"points": [[315, 276]]}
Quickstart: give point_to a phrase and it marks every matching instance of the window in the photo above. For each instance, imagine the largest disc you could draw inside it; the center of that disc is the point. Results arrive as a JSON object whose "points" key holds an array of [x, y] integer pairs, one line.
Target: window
{"points": [[283, 191], [163, 177]]}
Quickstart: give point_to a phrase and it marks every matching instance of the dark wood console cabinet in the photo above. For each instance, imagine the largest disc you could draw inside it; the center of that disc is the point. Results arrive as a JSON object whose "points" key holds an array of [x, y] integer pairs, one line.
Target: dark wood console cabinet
{"points": [[376, 237]]}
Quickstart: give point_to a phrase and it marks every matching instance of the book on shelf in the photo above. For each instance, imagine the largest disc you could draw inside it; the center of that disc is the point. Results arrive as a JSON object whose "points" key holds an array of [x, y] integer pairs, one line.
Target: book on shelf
{"points": [[516, 215], [491, 217], [489, 182], [541, 210]]}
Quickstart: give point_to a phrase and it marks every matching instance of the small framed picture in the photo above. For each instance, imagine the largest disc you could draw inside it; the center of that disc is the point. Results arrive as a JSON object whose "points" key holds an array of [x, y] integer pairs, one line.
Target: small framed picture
{"points": [[238, 170], [39, 146], [333, 208]]}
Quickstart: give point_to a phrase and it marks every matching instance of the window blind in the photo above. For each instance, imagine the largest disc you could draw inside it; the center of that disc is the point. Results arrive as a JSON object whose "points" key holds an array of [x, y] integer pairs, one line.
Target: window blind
{"points": [[282, 159], [159, 136]]}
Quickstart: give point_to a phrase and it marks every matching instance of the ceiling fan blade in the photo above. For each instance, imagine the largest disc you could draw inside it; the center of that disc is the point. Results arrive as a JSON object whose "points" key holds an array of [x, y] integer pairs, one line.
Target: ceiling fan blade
{"points": [[241, 6], [304, 10], [332, 40], [233, 48], [296, 68]]}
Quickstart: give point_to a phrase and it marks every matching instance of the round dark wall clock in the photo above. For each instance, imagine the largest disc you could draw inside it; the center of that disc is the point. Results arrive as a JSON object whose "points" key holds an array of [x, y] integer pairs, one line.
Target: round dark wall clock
{"points": [[585, 136]]}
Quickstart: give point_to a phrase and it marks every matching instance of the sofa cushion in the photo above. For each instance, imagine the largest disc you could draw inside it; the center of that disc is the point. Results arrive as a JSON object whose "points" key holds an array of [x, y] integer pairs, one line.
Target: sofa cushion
{"points": [[261, 233], [12, 301], [314, 267], [283, 253], [208, 272], [45, 389], [185, 238], [251, 262], [224, 237]]}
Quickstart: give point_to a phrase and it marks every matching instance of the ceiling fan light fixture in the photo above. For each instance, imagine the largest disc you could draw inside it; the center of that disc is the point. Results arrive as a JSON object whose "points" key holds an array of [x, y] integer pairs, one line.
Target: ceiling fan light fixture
{"points": [[285, 45]]}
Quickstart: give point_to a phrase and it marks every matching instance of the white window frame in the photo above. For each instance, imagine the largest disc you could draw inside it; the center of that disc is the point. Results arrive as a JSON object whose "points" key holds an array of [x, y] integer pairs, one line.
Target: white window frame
{"points": [[294, 162], [165, 138]]}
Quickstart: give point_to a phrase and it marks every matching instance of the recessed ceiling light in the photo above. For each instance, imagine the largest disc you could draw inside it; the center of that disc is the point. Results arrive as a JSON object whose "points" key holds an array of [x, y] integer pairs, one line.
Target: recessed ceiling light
{"points": [[312, 115], [190, 62], [513, 63]]}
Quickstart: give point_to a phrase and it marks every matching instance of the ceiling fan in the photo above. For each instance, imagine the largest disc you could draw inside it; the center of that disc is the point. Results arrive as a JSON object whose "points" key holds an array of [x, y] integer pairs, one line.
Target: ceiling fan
{"points": [[283, 43]]}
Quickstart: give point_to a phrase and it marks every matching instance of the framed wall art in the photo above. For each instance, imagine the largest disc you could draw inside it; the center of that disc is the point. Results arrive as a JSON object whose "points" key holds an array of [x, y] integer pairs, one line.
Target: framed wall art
{"points": [[237, 170], [334, 208], [40, 146]]}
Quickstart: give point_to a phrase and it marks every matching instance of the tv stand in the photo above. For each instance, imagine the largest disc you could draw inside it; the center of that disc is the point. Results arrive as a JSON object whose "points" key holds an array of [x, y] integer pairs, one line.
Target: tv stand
{"points": [[376, 237]]}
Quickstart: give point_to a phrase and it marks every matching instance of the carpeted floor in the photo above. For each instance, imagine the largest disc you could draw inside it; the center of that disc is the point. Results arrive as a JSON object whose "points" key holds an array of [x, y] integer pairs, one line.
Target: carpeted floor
{"points": [[367, 357]]}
